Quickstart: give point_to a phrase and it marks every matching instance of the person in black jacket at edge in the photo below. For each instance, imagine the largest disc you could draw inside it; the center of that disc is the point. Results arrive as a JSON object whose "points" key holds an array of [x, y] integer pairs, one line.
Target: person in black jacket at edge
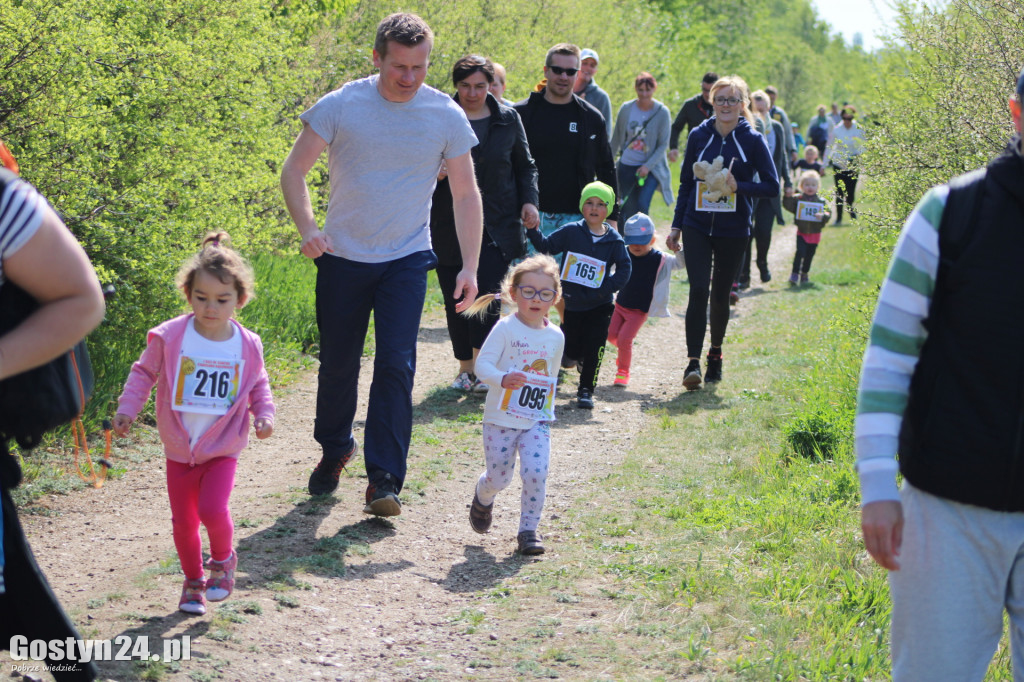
{"points": [[34, 244]]}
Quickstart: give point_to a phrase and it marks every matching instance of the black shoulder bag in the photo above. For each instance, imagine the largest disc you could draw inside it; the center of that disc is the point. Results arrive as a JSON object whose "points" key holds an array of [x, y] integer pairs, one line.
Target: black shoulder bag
{"points": [[48, 396]]}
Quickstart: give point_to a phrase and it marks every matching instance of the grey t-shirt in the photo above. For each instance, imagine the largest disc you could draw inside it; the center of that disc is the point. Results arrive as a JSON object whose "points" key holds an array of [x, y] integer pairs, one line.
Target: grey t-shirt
{"points": [[383, 159], [637, 151]]}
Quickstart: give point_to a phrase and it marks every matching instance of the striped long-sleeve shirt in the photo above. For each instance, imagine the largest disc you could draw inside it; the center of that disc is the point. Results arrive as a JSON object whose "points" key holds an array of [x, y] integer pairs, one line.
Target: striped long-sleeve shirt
{"points": [[21, 213], [894, 347]]}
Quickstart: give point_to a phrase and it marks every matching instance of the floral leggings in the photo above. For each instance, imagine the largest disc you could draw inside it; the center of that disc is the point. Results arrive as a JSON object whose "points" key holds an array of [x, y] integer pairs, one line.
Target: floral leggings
{"points": [[534, 447]]}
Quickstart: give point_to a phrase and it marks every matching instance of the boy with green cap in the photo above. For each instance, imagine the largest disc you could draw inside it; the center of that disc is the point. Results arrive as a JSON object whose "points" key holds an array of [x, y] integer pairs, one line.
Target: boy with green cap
{"points": [[595, 264]]}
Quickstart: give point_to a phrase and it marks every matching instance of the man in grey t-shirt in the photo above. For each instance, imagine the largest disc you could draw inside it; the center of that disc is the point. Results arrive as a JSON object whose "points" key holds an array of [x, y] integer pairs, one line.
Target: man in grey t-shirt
{"points": [[386, 136]]}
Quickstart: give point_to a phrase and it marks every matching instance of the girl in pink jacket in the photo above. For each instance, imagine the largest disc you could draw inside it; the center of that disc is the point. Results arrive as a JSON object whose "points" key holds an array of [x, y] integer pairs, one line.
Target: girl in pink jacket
{"points": [[209, 376]]}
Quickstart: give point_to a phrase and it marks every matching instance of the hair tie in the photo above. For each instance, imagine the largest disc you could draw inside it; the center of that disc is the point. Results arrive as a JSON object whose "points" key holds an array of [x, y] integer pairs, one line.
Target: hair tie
{"points": [[497, 296], [215, 242]]}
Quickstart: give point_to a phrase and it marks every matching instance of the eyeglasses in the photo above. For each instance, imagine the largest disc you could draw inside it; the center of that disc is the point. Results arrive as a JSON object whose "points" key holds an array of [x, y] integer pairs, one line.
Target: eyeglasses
{"points": [[723, 101], [546, 295], [558, 71]]}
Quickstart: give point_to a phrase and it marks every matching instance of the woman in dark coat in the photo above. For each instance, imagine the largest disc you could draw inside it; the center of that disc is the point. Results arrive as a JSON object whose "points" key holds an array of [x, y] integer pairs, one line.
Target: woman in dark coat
{"points": [[507, 178]]}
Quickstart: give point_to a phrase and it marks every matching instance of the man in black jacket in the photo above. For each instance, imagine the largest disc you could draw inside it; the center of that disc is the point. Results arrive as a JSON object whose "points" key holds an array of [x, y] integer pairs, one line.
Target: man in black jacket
{"points": [[567, 140], [694, 111], [569, 143]]}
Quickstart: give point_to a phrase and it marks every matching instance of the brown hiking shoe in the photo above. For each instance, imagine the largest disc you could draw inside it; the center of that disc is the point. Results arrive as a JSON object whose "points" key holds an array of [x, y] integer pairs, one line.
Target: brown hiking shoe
{"points": [[480, 515], [324, 479], [530, 543]]}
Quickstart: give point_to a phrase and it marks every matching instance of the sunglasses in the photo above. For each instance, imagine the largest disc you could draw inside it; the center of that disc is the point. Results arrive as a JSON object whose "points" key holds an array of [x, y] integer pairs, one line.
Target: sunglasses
{"points": [[558, 71], [847, 118], [528, 292], [645, 81]]}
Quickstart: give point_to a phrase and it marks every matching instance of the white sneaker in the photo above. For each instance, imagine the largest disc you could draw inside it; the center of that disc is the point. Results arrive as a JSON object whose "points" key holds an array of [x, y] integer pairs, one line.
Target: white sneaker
{"points": [[463, 382]]}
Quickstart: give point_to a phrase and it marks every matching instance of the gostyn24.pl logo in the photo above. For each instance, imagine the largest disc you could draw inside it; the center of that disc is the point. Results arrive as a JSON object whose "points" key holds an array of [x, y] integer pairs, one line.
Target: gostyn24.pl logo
{"points": [[121, 648]]}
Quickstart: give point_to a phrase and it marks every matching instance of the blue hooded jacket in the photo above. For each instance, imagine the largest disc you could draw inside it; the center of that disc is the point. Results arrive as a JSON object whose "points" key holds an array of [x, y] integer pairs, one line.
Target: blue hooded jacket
{"points": [[747, 151], [610, 248]]}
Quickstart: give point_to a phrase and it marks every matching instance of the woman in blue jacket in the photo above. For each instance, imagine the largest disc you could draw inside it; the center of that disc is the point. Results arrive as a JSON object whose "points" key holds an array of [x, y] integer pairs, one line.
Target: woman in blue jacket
{"points": [[717, 232]]}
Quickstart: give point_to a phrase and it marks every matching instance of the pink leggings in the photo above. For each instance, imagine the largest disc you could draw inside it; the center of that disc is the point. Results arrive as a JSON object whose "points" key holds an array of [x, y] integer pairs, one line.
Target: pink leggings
{"points": [[625, 325], [201, 493]]}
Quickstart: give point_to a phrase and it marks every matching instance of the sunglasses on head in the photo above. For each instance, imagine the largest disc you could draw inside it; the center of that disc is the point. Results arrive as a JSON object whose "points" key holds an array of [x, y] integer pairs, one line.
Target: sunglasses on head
{"points": [[645, 81], [558, 71]]}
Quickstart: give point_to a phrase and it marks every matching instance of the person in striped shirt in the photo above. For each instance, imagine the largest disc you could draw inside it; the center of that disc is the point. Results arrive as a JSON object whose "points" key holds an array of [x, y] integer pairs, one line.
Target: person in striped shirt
{"points": [[942, 385]]}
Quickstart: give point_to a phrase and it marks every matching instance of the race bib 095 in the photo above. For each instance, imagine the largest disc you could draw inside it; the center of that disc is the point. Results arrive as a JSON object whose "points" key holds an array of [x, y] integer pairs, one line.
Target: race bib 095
{"points": [[533, 400]]}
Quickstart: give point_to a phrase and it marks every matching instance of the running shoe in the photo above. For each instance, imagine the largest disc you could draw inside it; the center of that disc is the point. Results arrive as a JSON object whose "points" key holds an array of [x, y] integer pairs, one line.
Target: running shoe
{"points": [[692, 378]]}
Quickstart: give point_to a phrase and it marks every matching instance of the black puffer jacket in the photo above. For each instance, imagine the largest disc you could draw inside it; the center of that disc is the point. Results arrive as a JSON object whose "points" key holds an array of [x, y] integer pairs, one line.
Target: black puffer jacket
{"points": [[507, 178]]}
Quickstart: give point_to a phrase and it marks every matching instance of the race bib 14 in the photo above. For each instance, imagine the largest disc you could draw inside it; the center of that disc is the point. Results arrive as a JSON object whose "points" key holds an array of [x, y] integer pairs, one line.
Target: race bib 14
{"points": [[809, 210]]}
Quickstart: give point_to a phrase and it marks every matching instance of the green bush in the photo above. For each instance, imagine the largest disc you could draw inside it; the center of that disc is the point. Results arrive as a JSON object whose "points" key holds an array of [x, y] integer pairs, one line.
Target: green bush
{"points": [[815, 435]]}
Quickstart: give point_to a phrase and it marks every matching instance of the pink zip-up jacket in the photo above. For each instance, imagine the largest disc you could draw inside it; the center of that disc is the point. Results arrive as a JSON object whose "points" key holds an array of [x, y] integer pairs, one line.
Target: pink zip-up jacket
{"points": [[230, 433]]}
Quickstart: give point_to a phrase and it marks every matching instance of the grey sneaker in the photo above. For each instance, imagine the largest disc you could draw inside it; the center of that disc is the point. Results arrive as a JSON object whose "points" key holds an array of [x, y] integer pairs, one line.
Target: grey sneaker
{"points": [[691, 377], [585, 399], [382, 500]]}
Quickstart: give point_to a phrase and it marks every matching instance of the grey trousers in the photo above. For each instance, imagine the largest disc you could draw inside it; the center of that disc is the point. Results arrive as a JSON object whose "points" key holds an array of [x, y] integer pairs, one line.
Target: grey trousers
{"points": [[961, 566]]}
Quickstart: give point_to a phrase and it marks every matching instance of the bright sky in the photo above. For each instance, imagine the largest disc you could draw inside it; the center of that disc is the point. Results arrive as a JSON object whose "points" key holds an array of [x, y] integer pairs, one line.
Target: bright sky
{"points": [[870, 18]]}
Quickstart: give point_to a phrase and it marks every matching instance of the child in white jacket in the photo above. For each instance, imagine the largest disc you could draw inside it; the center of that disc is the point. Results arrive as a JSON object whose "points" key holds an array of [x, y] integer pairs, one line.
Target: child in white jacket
{"points": [[644, 295]]}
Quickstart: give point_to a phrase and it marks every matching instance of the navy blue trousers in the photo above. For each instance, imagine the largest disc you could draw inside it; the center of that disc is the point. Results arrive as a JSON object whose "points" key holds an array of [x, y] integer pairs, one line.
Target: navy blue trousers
{"points": [[346, 293]]}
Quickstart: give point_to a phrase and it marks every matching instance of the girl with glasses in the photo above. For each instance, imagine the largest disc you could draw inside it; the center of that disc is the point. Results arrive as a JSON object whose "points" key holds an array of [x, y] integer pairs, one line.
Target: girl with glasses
{"points": [[641, 138], [519, 362], [715, 233]]}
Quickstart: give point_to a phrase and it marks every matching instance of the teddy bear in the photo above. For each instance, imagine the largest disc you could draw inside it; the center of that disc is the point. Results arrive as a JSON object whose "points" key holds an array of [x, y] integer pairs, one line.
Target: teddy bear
{"points": [[714, 175]]}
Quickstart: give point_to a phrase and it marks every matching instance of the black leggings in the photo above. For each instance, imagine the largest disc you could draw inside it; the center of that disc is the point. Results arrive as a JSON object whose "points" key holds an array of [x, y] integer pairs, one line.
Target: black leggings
{"points": [[714, 259], [804, 255], [764, 221], [846, 189], [586, 332], [468, 333]]}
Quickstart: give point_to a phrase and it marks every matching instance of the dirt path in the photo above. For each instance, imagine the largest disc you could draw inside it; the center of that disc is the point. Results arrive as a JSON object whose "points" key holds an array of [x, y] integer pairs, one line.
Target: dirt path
{"points": [[325, 592]]}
